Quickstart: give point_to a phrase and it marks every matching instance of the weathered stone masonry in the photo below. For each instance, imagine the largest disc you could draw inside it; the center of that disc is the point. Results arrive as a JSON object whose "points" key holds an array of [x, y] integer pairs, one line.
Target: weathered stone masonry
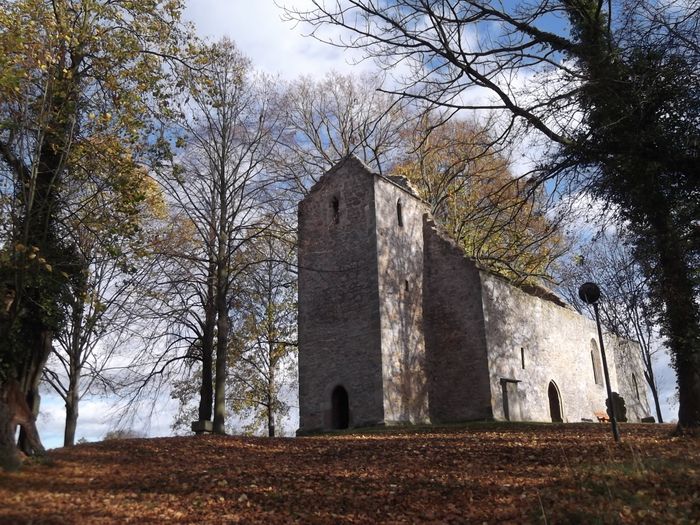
{"points": [[396, 325]]}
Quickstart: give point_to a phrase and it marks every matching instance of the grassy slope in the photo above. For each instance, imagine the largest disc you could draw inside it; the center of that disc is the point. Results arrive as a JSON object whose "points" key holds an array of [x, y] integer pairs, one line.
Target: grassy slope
{"points": [[463, 474]]}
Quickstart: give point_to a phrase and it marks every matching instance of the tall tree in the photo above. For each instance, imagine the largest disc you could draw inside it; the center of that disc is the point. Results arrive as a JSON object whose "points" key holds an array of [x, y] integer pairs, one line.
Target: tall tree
{"points": [[467, 182], [229, 125], [77, 81], [105, 225], [264, 350], [641, 138], [612, 87], [262, 347]]}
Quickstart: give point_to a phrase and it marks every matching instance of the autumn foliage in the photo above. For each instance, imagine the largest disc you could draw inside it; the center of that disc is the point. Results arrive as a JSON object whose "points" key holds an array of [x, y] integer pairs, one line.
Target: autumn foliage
{"points": [[480, 473], [498, 219]]}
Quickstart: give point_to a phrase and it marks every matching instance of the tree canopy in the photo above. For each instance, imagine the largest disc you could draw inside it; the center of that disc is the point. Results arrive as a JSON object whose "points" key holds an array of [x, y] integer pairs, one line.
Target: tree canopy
{"points": [[469, 186], [79, 82]]}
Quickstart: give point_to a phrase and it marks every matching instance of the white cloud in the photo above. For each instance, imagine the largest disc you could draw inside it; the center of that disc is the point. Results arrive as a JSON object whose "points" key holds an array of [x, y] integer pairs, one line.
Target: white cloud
{"points": [[98, 416], [274, 46]]}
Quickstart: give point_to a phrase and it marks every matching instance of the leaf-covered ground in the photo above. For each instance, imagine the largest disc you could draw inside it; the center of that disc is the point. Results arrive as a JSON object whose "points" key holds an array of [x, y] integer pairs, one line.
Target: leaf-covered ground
{"points": [[470, 474]]}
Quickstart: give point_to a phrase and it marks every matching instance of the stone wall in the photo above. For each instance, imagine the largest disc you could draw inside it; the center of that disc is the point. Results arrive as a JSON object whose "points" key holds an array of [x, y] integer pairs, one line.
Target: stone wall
{"points": [[533, 342], [399, 219], [339, 332], [629, 372], [454, 332]]}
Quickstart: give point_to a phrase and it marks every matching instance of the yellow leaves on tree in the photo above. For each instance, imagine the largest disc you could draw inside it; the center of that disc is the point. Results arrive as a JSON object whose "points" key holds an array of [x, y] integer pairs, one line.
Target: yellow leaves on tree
{"points": [[497, 219], [79, 81]]}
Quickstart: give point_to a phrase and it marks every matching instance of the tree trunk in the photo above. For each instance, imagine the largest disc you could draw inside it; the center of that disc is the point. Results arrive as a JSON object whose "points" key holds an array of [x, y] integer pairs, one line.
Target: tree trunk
{"points": [[75, 358], [270, 421], [206, 393], [220, 387], [9, 459], [687, 364], [655, 396], [71, 423], [651, 381], [223, 259], [72, 401], [270, 386], [29, 382], [681, 319], [222, 327]]}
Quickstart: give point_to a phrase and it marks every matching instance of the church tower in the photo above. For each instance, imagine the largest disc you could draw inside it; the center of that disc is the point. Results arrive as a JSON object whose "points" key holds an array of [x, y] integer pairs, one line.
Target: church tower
{"points": [[361, 344]]}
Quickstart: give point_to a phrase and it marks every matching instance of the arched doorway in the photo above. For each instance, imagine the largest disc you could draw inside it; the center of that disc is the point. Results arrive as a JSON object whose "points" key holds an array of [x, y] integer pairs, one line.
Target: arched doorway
{"points": [[554, 403], [340, 408]]}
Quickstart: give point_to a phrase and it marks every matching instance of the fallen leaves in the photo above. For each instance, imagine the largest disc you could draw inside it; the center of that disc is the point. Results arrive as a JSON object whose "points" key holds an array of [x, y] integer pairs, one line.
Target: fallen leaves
{"points": [[474, 473]]}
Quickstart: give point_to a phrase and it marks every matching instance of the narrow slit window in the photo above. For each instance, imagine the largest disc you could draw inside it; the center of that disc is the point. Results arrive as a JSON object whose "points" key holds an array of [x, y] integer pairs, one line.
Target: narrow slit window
{"points": [[405, 285], [335, 204], [522, 357], [399, 213], [597, 366], [636, 386]]}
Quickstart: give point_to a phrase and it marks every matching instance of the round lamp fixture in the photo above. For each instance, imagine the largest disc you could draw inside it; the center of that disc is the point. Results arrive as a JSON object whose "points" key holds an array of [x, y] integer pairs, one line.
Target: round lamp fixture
{"points": [[589, 293]]}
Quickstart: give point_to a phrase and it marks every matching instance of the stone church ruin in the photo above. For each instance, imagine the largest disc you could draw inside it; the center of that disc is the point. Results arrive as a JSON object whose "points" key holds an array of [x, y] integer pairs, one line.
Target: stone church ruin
{"points": [[397, 325]]}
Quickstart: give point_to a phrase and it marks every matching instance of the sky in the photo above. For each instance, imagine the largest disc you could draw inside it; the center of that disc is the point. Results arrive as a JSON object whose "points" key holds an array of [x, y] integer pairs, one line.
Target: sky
{"points": [[277, 48], [274, 46]]}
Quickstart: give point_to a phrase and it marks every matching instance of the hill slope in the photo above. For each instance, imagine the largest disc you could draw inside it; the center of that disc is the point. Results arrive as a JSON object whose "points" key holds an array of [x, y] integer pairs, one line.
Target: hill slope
{"points": [[474, 473]]}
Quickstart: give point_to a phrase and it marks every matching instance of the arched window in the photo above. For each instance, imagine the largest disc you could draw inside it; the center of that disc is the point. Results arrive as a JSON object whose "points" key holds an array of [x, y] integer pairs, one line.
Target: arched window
{"points": [[399, 213], [595, 361], [554, 403], [335, 204]]}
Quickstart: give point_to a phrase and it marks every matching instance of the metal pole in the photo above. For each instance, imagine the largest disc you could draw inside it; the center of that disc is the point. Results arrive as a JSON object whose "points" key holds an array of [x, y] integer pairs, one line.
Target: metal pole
{"points": [[613, 419]]}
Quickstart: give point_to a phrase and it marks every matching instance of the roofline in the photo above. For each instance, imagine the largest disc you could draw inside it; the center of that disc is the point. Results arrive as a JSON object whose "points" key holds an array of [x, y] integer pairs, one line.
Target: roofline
{"points": [[354, 158]]}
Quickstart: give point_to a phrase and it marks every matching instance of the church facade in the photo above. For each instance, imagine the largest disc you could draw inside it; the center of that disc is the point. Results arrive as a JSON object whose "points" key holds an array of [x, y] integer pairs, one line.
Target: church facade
{"points": [[398, 326]]}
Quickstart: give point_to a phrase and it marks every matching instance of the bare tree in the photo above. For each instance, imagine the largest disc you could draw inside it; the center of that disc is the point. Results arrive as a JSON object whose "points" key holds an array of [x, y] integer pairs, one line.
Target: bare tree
{"points": [[264, 350], [625, 308], [329, 119], [220, 185], [98, 322]]}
